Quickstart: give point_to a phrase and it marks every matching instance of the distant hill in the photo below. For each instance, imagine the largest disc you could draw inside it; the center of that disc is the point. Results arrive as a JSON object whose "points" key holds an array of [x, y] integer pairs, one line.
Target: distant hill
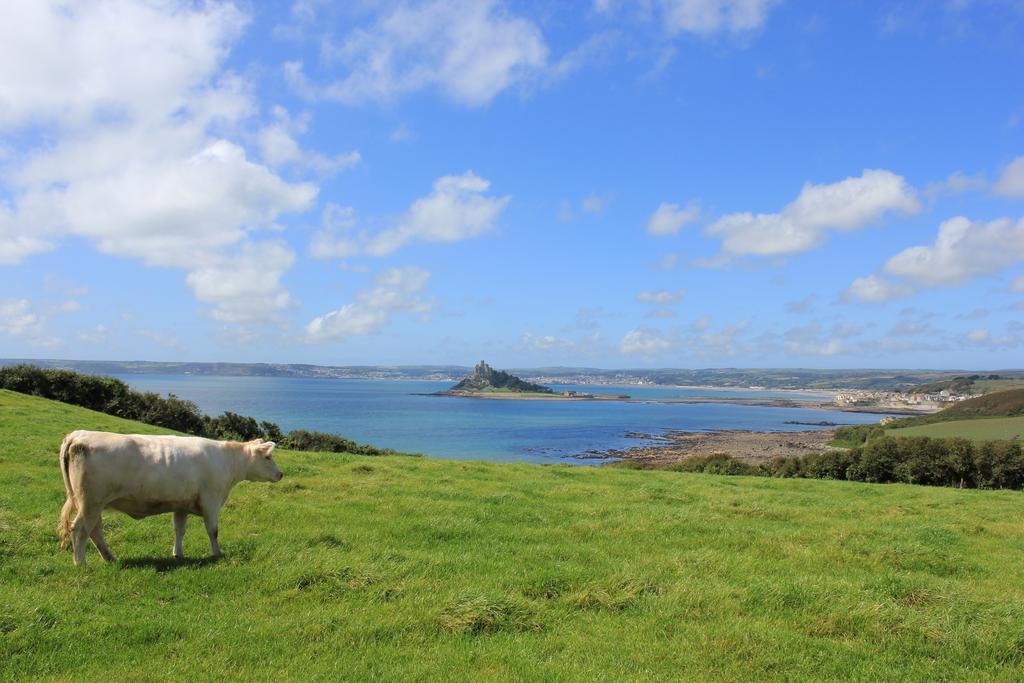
{"points": [[969, 384], [485, 378]]}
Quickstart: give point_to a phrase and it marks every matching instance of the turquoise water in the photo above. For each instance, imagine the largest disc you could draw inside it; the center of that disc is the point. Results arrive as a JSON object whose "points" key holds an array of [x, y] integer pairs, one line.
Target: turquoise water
{"points": [[395, 414]]}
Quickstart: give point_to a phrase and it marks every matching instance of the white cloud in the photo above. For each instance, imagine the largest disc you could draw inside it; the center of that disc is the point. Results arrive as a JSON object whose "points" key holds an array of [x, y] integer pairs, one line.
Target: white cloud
{"points": [[809, 340], [137, 123], [17, 319], [95, 335], [963, 250], [396, 290], [982, 337], [586, 344], [975, 314], [457, 209], [593, 204], [79, 62], [874, 289], [660, 313], [669, 219], [957, 182], [801, 305], [911, 328], [565, 213], [165, 338], [335, 239], [403, 133], [245, 287], [724, 342], [278, 147], [667, 262], [20, 319], [469, 49], [596, 47], [547, 342], [18, 240], [69, 306], [844, 206], [172, 211], [705, 18], [1011, 181], [708, 17], [977, 336], [644, 342], [826, 347], [661, 297]]}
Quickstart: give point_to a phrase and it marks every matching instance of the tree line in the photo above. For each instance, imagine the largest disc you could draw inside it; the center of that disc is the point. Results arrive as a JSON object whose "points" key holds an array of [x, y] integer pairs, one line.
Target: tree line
{"points": [[885, 459], [114, 397]]}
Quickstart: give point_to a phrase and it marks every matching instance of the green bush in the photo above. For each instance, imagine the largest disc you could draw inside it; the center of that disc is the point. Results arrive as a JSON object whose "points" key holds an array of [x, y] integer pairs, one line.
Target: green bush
{"points": [[303, 440], [856, 435], [718, 463], [877, 461], [828, 464], [910, 460]]}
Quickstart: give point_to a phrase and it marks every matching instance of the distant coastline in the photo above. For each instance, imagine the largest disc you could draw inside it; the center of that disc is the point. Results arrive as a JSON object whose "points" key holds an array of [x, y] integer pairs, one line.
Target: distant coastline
{"points": [[683, 400], [737, 379]]}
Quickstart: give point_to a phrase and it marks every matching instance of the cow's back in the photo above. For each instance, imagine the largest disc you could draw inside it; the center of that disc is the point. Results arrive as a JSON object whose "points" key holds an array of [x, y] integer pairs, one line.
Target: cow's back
{"points": [[144, 474]]}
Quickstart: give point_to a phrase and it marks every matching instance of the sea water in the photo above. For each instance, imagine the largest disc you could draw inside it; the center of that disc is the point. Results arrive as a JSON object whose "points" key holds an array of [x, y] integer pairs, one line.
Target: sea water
{"points": [[401, 415]]}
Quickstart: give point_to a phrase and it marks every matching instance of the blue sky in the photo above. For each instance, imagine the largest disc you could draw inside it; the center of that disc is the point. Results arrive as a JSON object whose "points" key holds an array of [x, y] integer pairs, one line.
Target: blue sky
{"points": [[684, 183]]}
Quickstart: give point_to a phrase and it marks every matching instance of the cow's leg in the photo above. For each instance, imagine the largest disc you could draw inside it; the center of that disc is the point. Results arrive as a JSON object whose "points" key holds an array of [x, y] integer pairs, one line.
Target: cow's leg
{"points": [[180, 521], [211, 515], [100, 542], [81, 528]]}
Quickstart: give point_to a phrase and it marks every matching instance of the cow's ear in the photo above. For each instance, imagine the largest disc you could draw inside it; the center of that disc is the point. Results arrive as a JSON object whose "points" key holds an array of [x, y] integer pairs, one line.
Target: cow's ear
{"points": [[267, 446]]}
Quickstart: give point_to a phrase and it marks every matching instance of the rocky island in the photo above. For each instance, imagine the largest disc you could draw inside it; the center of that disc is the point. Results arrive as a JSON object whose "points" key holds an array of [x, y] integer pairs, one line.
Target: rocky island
{"points": [[486, 382]]}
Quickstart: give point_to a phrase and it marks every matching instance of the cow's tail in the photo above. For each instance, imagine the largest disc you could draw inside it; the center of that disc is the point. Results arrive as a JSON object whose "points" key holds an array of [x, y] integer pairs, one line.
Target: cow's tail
{"points": [[66, 512]]}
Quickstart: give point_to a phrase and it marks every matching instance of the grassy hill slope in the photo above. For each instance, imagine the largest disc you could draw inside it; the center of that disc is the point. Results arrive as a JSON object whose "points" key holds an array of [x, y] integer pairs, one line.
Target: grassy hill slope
{"points": [[999, 415], [999, 404], [986, 429], [1008, 403], [393, 568]]}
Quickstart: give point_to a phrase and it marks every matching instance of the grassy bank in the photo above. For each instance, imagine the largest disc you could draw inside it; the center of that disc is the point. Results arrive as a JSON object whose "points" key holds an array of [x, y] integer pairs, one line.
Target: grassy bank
{"points": [[979, 429], [388, 567]]}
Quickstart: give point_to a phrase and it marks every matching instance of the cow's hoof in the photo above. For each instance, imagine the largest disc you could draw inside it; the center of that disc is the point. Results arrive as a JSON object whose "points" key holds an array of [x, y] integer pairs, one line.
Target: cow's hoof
{"points": [[178, 557]]}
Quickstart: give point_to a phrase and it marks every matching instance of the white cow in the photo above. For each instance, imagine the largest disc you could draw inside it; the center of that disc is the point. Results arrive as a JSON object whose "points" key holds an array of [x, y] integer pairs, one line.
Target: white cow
{"points": [[150, 475]]}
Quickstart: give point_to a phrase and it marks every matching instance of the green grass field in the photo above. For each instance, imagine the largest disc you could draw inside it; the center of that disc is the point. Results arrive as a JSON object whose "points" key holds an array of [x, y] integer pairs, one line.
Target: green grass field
{"points": [[981, 429], [366, 568]]}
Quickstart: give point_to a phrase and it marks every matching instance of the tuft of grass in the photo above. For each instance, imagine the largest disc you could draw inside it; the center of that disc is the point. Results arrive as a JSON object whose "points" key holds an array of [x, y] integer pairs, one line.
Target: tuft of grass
{"points": [[616, 597], [480, 614]]}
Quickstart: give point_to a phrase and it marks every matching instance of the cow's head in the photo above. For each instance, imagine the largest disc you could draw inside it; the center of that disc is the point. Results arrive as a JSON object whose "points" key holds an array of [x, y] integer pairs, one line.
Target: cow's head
{"points": [[262, 466]]}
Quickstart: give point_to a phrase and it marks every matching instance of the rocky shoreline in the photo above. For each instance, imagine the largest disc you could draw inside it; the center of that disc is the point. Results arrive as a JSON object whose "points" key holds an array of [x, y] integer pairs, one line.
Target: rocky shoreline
{"points": [[751, 447]]}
